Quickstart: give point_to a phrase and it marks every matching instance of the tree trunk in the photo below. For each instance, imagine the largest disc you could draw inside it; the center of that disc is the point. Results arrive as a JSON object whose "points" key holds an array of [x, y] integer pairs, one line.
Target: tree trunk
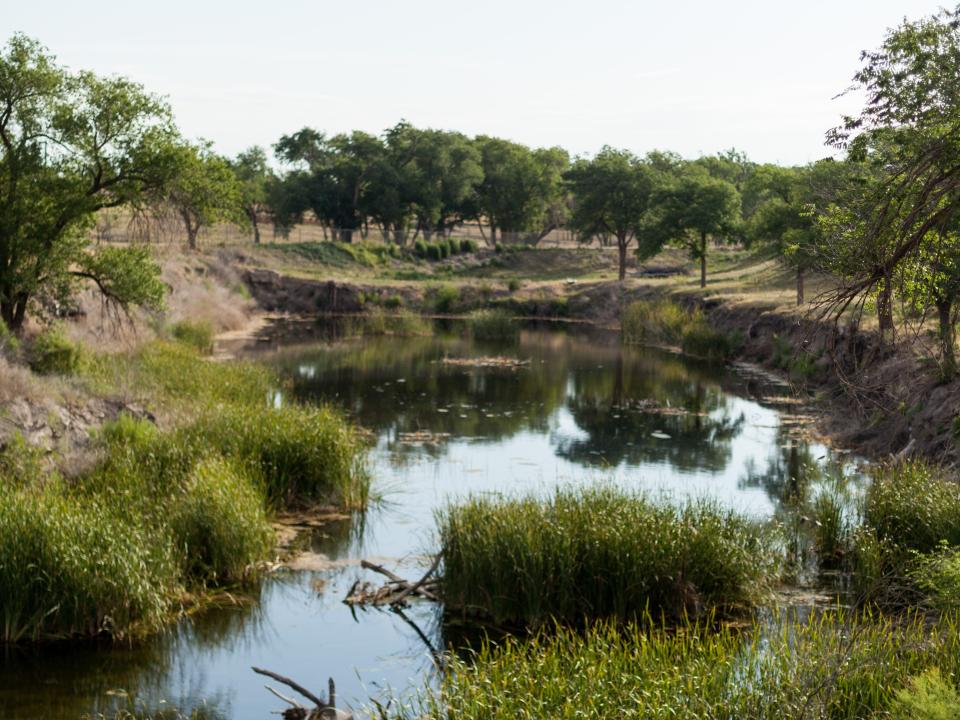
{"points": [[799, 285], [703, 260], [493, 235], [622, 252], [346, 235], [256, 232], [948, 359], [885, 309]]}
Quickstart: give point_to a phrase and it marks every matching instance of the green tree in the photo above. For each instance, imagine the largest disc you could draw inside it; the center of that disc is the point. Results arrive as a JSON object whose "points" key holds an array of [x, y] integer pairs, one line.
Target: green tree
{"points": [[72, 144], [331, 176], [522, 189], [204, 191], [254, 176], [692, 208], [612, 194]]}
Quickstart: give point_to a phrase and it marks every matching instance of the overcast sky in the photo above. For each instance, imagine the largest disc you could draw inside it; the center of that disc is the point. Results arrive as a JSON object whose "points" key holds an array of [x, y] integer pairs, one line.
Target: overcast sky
{"points": [[693, 76]]}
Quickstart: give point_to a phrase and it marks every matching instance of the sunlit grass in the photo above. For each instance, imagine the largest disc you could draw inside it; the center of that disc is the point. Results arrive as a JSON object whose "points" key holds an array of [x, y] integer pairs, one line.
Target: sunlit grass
{"points": [[595, 553]]}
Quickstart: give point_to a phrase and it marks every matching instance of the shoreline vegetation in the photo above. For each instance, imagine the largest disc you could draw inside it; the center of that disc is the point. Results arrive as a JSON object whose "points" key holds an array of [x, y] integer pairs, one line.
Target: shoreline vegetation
{"points": [[163, 516]]}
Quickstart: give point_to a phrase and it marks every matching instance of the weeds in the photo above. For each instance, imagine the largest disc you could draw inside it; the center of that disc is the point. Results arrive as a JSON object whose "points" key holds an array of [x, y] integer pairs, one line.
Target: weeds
{"points": [[198, 335], [493, 325], [599, 553], [52, 353], [832, 665], [665, 322]]}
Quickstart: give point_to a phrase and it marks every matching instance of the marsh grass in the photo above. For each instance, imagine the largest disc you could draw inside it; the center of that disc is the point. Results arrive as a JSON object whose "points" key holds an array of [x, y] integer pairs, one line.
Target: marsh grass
{"points": [[830, 665], [164, 512], [493, 324], [380, 322], [664, 322], [198, 335], [596, 553]]}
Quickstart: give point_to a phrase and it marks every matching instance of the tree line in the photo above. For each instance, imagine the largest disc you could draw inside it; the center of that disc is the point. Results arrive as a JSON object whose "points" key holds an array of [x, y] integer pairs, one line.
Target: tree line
{"points": [[882, 219]]}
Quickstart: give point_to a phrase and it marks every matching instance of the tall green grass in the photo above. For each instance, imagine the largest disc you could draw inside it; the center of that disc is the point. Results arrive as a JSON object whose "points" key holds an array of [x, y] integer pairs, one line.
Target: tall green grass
{"points": [[664, 322], [380, 322], [494, 324], [595, 553], [198, 335], [164, 511], [831, 665]]}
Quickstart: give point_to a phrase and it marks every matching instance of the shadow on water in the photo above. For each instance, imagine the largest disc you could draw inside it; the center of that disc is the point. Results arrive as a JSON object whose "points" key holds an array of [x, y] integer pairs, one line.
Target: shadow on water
{"points": [[581, 409]]}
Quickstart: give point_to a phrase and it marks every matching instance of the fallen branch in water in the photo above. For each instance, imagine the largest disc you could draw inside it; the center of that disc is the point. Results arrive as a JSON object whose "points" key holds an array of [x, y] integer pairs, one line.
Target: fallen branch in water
{"points": [[396, 591], [322, 711]]}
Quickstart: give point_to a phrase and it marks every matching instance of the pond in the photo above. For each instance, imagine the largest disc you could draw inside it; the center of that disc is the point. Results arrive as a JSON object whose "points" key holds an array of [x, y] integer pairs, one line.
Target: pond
{"points": [[574, 408]]}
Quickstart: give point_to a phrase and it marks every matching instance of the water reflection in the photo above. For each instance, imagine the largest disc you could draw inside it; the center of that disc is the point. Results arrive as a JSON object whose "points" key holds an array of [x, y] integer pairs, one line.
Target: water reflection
{"points": [[583, 410]]}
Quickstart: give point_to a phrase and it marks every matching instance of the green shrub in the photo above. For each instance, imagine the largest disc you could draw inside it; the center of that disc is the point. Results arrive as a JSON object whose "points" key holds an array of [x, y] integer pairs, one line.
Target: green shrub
{"points": [[456, 247], [703, 341], [393, 302], [657, 321], [493, 325], [378, 322], [9, 344], [914, 505], [219, 524], [927, 697], [198, 335], [446, 299], [434, 252], [596, 553], [51, 353], [420, 249], [513, 285], [445, 249], [468, 245]]}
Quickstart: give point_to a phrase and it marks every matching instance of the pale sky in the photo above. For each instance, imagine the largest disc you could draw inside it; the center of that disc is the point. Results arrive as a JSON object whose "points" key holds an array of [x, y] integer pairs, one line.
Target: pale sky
{"points": [[692, 76]]}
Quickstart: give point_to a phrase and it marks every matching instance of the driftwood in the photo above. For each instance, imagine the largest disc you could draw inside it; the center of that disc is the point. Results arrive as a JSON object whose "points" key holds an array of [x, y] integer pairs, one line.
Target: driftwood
{"points": [[322, 710], [396, 591]]}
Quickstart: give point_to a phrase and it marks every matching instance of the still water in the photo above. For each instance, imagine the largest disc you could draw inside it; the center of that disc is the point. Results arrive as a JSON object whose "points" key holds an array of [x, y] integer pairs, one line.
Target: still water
{"points": [[580, 409]]}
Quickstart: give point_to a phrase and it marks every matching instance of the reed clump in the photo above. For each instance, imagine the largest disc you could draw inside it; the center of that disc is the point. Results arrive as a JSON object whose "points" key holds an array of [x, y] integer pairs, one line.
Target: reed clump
{"points": [[196, 334], [831, 665], [665, 322], [597, 553], [493, 324], [164, 512]]}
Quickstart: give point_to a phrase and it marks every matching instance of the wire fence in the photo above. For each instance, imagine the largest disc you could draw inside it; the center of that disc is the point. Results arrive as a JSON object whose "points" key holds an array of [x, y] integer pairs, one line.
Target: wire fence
{"points": [[125, 229]]}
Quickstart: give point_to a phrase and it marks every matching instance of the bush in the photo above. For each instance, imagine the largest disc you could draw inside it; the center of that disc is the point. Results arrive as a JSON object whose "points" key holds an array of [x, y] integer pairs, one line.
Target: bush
{"points": [[446, 299], [493, 325], [9, 344], [927, 697], [702, 341], [420, 249], [446, 250], [218, 524], [468, 246], [393, 302], [434, 252], [657, 321], [513, 285], [456, 247], [597, 553], [51, 353], [198, 335]]}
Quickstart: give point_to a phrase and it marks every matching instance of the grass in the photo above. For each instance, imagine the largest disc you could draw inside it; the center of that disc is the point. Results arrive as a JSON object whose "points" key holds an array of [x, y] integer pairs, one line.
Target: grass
{"points": [[164, 512], [198, 335], [52, 353], [832, 665], [597, 553], [495, 324], [380, 322], [664, 322]]}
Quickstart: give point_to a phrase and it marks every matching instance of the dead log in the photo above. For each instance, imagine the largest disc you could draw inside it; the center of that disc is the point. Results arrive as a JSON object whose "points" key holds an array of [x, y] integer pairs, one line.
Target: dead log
{"points": [[296, 711], [395, 591]]}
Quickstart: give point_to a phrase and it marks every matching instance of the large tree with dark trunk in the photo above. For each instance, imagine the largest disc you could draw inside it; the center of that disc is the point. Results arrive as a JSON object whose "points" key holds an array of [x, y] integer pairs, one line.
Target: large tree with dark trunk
{"points": [[72, 144]]}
